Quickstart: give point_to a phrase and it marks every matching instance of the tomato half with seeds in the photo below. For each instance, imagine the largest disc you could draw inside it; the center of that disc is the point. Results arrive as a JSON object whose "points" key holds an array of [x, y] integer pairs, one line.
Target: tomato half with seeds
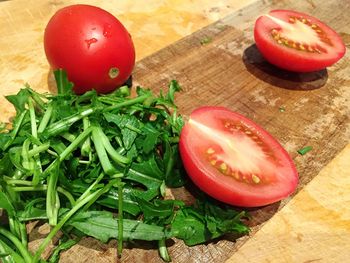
{"points": [[234, 160], [297, 42]]}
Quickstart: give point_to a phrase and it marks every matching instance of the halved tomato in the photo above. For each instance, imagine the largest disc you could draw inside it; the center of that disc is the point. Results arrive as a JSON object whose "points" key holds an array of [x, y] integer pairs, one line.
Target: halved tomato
{"points": [[297, 42], [234, 160]]}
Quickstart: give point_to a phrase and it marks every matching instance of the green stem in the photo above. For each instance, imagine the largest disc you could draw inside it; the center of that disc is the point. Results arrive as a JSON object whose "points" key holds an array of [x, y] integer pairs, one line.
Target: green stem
{"points": [[29, 188], [9, 180], [36, 97], [27, 162], [75, 144], [14, 227], [68, 136], [38, 149], [64, 124], [110, 101], [163, 251], [109, 148], [139, 99], [60, 224], [91, 187], [37, 169], [5, 248], [105, 189], [23, 231], [68, 150], [32, 118], [120, 219], [17, 126], [46, 118], [24, 252], [107, 167], [86, 147], [52, 198], [67, 194]]}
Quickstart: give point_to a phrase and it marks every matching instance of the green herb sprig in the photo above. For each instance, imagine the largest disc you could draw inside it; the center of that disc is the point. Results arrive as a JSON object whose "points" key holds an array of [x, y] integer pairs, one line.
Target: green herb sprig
{"points": [[98, 165]]}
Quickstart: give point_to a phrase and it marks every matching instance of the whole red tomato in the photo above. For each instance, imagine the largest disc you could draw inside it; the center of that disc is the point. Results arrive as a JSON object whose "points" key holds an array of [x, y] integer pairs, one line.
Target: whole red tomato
{"points": [[92, 46]]}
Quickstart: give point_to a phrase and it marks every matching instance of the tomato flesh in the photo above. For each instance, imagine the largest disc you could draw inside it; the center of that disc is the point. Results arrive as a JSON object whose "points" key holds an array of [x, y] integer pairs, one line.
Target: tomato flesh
{"points": [[234, 160], [92, 46], [297, 42]]}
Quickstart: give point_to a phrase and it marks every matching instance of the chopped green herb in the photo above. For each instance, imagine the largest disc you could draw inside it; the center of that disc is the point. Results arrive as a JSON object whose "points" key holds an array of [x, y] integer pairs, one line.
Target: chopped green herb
{"points": [[282, 109], [98, 165], [305, 150], [220, 26], [206, 40]]}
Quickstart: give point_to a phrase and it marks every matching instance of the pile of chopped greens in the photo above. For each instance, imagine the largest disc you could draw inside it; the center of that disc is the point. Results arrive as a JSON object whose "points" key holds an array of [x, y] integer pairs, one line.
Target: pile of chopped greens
{"points": [[98, 165]]}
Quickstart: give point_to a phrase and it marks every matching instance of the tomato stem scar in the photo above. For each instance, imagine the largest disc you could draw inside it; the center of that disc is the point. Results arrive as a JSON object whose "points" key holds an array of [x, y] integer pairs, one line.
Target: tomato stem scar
{"points": [[113, 72]]}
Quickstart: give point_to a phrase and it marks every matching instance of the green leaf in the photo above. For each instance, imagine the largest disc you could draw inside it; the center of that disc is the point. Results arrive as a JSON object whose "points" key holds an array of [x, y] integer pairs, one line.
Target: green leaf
{"points": [[173, 88], [129, 126], [8, 255], [63, 245], [304, 150], [150, 141], [64, 86], [145, 129], [160, 212], [6, 204], [206, 40], [35, 210], [174, 171], [19, 100], [6, 166], [103, 226], [206, 221]]}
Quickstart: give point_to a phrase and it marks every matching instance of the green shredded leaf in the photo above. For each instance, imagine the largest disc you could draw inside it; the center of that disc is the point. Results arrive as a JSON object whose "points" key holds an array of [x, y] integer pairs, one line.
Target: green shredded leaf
{"points": [[206, 40], [64, 86], [99, 165], [282, 109], [304, 150]]}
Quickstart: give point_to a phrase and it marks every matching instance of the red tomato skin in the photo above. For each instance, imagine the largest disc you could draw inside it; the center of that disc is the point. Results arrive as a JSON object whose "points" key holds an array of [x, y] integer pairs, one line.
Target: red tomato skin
{"points": [[87, 42], [288, 58], [224, 188]]}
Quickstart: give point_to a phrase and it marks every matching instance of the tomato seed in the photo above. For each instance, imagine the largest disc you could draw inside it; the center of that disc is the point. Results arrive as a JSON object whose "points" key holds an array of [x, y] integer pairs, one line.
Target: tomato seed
{"points": [[274, 32], [277, 37], [255, 179], [223, 167], [236, 175], [210, 151], [299, 46]]}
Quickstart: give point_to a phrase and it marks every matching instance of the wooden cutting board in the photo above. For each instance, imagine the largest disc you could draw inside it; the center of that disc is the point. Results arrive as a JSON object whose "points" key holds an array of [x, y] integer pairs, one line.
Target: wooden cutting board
{"points": [[229, 71]]}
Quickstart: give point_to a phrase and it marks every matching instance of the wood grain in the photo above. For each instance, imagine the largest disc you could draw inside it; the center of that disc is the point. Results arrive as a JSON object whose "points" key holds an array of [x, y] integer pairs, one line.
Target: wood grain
{"points": [[229, 71], [312, 227]]}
